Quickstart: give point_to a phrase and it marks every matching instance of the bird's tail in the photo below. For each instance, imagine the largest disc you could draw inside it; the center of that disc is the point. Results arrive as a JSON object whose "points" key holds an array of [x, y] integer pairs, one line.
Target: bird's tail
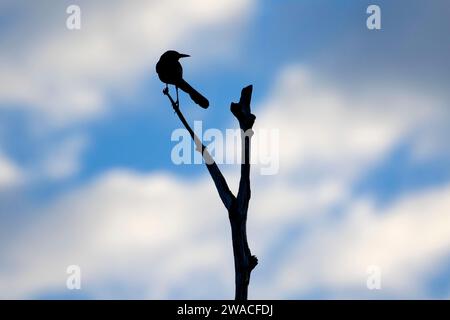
{"points": [[194, 94]]}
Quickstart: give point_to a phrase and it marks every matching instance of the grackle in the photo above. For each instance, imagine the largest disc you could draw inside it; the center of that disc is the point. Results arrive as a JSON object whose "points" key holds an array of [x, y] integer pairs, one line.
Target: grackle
{"points": [[170, 71]]}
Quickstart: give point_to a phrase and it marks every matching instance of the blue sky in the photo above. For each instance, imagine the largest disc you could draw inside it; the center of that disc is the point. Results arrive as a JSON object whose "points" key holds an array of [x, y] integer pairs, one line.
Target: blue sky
{"points": [[86, 176]]}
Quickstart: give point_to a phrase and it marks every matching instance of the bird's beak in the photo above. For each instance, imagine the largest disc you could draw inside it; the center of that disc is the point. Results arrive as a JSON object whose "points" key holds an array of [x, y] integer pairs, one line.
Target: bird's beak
{"points": [[182, 55]]}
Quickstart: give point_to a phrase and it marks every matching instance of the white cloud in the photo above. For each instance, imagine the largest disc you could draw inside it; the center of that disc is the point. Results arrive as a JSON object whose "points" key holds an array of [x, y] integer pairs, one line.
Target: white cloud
{"points": [[146, 233], [337, 133], [122, 222], [61, 160], [10, 173], [405, 240]]}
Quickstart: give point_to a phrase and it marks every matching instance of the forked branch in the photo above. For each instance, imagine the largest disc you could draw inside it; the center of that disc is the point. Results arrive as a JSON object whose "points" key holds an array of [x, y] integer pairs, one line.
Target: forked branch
{"points": [[237, 207]]}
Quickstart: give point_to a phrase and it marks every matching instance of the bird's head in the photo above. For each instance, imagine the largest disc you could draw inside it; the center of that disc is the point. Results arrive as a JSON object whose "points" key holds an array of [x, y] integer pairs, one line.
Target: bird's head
{"points": [[173, 55]]}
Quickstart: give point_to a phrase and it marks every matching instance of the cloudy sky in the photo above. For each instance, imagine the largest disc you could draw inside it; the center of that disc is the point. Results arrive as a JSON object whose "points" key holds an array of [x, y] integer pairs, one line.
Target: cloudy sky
{"points": [[363, 179]]}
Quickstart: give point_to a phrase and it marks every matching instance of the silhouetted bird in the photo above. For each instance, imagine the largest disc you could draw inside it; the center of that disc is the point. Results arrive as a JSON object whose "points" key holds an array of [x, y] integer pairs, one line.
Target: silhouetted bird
{"points": [[170, 71]]}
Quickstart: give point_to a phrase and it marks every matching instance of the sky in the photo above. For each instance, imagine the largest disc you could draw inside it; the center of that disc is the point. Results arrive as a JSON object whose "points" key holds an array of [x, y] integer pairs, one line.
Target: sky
{"points": [[363, 162]]}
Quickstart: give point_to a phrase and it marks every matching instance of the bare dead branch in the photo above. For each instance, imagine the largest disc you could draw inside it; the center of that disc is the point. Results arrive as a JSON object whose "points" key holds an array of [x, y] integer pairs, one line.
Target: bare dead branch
{"points": [[237, 207], [225, 193]]}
